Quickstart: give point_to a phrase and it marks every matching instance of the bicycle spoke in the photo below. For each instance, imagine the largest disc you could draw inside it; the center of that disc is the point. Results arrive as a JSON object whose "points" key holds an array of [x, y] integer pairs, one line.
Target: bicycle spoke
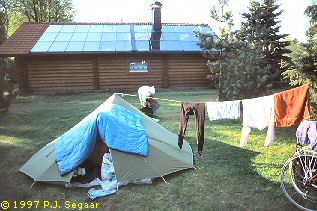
{"points": [[296, 177]]}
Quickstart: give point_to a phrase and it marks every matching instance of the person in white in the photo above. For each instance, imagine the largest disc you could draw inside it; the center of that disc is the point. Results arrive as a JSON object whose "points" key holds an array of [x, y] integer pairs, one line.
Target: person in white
{"points": [[144, 92]]}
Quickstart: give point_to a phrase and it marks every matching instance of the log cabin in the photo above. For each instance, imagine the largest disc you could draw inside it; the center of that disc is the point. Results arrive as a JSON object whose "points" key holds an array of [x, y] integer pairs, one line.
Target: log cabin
{"points": [[71, 56]]}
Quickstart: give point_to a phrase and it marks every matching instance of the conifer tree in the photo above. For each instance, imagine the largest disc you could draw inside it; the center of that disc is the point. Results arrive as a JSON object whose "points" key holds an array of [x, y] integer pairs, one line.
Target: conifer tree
{"points": [[261, 28], [303, 67], [250, 57], [215, 47]]}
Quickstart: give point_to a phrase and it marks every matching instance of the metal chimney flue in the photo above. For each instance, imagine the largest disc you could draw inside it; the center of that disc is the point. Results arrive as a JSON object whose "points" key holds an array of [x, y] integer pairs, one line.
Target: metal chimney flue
{"points": [[156, 18]]}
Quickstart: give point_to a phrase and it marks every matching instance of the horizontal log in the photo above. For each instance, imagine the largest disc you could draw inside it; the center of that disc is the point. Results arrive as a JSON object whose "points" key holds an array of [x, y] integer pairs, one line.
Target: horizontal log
{"points": [[54, 89], [59, 66], [128, 81], [65, 61], [189, 66], [188, 73], [61, 75], [32, 86], [188, 84], [60, 82], [130, 75], [66, 68], [124, 86]]}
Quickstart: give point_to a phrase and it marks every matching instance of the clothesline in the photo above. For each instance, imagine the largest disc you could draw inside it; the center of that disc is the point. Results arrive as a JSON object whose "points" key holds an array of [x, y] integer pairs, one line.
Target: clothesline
{"points": [[156, 98], [281, 109]]}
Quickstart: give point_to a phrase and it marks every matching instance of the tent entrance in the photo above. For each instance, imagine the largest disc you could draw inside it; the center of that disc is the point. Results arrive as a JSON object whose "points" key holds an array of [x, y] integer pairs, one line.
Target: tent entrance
{"points": [[92, 164]]}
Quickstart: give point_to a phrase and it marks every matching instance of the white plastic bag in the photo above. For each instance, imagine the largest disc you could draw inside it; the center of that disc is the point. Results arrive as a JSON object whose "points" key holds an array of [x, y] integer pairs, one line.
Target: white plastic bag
{"points": [[107, 169]]}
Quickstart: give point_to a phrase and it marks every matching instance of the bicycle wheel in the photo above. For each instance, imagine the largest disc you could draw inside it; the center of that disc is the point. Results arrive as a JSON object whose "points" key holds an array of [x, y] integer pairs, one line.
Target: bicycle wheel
{"points": [[297, 183]]}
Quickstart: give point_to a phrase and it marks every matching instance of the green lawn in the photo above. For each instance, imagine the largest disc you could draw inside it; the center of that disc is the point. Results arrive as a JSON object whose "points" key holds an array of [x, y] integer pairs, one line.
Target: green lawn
{"points": [[226, 177]]}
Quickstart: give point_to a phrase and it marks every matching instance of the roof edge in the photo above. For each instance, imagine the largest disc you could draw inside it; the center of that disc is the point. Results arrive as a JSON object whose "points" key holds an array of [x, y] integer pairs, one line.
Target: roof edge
{"points": [[116, 23]]}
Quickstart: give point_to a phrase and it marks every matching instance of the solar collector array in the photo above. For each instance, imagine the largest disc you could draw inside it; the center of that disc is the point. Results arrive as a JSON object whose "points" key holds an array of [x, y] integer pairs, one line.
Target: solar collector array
{"points": [[117, 38]]}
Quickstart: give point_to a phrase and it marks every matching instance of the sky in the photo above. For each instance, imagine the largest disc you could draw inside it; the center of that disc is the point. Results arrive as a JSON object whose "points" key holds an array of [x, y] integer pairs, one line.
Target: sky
{"points": [[292, 19]]}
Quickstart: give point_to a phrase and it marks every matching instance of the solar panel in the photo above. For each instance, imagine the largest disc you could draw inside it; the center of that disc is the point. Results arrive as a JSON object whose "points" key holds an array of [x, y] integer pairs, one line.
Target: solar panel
{"points": [[123, 36], [68, 28], [58, 47], [96, 28], [181, 28], [170, 46], [41, 46], [123, 46], [169, 36], [49, 36], [54, 28], [108, 36], [123, 28], [75, 46], [142, 36], [205, 30], [64, 36], [142, 45], [190, 46], [108, 46], [118, 37], [94, 36], [187, 37], [109, 28], [82, 28], [142, 28], [80, 36], [167, 28], [91, 46]]}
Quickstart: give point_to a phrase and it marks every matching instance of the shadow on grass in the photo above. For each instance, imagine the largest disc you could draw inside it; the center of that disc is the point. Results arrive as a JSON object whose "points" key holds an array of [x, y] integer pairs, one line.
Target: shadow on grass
{"points": [[224, 179]]}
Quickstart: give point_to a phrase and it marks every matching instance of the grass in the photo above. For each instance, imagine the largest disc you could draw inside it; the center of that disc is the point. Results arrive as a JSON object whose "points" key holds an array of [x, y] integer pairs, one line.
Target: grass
{"points": [[226, 177]]}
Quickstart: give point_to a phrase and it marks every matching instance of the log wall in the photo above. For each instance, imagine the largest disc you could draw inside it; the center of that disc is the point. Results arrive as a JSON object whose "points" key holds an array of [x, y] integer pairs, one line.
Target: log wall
{"points": [[65, 73]]}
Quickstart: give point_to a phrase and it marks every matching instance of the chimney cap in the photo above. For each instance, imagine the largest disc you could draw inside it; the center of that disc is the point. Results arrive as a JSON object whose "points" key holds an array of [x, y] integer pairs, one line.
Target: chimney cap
{"points": [[156, 4]]}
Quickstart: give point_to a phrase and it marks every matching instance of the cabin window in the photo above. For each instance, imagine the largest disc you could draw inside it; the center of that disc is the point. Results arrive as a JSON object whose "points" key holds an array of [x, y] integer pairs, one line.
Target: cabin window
{"points": [[138, 66]]}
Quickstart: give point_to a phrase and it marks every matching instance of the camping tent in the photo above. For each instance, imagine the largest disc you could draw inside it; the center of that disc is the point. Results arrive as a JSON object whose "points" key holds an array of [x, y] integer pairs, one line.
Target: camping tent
{"points": [[164, 156]]}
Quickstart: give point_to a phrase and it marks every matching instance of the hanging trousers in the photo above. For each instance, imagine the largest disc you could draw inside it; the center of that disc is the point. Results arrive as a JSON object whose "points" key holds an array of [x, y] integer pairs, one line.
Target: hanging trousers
{"points": [[197, 109]]}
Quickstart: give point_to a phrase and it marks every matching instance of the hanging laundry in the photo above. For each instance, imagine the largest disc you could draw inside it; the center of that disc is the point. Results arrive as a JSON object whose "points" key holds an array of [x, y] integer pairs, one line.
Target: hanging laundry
{"points": [[197, 109], [292, 106], [307, 134], [223, 110], [258, 113]]}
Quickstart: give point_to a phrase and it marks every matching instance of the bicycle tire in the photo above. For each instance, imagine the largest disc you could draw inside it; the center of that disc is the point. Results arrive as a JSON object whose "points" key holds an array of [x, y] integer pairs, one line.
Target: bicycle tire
{"points": [[293, 186]]}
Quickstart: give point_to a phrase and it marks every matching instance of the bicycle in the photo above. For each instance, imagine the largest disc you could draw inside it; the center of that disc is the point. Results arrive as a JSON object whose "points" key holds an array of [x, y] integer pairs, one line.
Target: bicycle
{"points": [[299, 178]]}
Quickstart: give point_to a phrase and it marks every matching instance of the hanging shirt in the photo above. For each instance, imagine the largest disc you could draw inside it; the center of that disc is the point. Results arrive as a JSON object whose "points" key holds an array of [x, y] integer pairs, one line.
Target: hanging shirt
{"points": [[292, 106], [223, 110], [258, 113], [307, 134]]}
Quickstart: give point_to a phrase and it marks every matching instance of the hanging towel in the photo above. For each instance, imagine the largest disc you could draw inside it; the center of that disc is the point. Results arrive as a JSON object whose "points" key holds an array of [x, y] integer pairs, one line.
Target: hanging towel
{"points": [[307, 134], [292, 106], [258, 113], [223, 110]]}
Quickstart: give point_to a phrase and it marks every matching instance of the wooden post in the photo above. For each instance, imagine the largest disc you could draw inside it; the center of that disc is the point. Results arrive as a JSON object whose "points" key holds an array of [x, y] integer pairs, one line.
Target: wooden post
{"points": [[165, 72], [95, 69], [23, 83]]}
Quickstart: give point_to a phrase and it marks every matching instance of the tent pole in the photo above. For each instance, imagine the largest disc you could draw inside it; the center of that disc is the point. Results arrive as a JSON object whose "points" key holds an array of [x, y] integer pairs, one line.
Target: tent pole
{"points": [[32, 184], [164, 180]]}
